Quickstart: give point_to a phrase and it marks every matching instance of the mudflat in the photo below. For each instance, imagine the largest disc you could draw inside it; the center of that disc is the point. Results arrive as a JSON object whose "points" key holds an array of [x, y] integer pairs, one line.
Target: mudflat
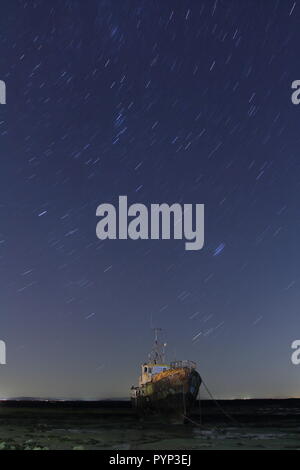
{"points": [[254, 424]]}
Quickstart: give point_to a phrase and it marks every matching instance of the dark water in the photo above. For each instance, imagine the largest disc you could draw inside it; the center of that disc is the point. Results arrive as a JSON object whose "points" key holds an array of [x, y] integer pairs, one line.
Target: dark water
{"points": [[251, 424]]}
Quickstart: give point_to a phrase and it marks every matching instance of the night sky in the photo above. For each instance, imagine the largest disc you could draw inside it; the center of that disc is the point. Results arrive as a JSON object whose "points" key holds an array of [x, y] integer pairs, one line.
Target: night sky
{"points": [[162, 101]]}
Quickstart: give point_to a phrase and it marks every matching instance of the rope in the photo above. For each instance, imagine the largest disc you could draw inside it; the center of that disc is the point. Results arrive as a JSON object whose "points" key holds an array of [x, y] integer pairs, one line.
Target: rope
{"points": [[200, 408], [219, 406], [215, 401], [192, 421]]}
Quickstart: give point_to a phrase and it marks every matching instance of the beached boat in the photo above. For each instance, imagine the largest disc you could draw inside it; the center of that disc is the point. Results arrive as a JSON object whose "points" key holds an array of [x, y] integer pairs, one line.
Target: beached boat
{"points": [[166, 388]]}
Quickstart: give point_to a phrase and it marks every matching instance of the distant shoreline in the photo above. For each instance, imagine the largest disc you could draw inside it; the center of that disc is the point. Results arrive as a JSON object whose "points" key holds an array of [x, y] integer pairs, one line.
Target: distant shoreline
{"points": [[125, 402]]}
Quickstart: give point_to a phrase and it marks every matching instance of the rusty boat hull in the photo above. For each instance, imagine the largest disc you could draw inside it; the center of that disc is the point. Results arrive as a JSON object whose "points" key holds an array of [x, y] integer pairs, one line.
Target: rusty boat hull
{"points": [[173, 391]]}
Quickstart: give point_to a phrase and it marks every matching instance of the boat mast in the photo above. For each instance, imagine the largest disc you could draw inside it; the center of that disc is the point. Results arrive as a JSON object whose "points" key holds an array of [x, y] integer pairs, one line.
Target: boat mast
{"points": [[157, 353]]}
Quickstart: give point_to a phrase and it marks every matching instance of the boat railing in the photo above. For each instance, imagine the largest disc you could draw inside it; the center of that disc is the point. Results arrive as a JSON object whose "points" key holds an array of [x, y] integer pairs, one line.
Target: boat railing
{"points": [[181, 364]]}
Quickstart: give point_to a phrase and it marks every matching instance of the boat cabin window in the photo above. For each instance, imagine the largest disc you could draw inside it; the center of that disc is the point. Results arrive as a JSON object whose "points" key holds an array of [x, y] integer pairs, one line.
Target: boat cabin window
{"points": [[145, 369], [150, 370]]}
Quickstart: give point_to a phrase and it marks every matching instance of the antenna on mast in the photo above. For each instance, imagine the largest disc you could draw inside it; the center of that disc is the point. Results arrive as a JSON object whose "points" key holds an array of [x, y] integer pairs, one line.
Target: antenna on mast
{"points": [[157, 354], [156, 330]]}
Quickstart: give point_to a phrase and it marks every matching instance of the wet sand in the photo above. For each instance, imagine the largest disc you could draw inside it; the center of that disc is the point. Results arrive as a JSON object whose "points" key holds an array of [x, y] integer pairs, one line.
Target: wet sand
{"points": [[258, 424]]}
